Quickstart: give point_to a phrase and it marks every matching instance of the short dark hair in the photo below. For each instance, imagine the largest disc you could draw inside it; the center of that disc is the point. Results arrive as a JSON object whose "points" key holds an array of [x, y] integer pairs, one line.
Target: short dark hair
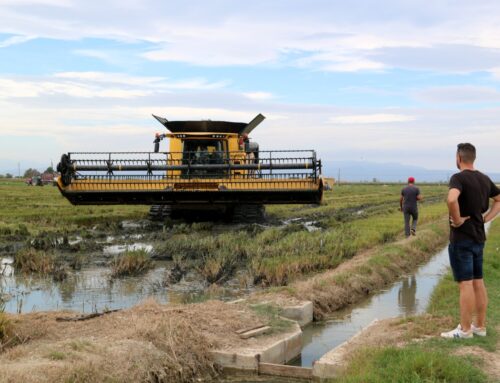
{"points": [[467, 152]]}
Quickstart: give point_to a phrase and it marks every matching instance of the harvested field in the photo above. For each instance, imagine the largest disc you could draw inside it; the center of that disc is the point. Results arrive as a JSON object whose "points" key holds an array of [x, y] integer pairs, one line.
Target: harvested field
{"points": [[148, 343]]}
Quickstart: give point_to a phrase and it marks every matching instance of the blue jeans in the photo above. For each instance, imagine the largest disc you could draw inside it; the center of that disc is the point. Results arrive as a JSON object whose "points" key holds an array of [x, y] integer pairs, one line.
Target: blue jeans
{"points": [[466, 260]]}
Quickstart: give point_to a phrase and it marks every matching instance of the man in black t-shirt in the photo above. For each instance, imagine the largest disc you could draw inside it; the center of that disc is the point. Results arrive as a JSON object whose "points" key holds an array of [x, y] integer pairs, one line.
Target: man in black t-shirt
{"points": [[468, 202], [408, 205]]}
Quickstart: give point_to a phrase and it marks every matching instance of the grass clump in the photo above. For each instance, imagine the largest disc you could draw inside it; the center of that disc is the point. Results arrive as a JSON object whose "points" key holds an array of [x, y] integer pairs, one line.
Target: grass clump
{"points": [[5, 324], [56, 355], [132, 262], [30, 260], [412, 364]]}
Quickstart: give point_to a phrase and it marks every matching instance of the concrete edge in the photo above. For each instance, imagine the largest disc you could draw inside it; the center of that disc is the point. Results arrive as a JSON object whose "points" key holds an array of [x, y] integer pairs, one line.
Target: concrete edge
{"points": [[301, 313]]}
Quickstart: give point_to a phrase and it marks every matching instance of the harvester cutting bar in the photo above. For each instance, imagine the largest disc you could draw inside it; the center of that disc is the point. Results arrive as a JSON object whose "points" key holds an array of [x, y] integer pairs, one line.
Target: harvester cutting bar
{"points": [[191, 178]]}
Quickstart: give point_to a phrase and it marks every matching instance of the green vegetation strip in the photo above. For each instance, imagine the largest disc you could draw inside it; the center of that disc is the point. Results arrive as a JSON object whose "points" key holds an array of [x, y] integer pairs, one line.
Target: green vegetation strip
{"points": [[436, 359]]}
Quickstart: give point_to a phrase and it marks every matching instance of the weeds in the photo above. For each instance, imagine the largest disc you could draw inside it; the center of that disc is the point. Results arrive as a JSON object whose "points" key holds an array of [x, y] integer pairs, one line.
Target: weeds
{"points": [[30, 260], [132, 262], [5, 324], [271, 315]]}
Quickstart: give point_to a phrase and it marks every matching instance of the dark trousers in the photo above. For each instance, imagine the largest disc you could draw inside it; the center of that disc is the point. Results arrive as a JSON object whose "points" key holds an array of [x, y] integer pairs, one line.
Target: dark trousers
{"points": [[413, 214]]}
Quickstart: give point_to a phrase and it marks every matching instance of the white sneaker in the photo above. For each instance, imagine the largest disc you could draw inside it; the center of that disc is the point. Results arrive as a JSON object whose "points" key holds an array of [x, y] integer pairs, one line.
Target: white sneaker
{"points": [[457, 333], [479, 331]]}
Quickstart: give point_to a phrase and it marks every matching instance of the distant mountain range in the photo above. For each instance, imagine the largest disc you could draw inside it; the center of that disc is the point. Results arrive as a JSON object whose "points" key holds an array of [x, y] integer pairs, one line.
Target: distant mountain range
{"points": [[358, 171]]}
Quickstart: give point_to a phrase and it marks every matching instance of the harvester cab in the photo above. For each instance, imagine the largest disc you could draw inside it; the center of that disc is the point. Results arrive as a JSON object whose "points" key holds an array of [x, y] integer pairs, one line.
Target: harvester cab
{"points": [[209, 165]]}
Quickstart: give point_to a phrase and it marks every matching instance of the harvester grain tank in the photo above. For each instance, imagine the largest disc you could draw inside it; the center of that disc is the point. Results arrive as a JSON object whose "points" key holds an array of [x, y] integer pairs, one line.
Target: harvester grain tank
{"points": [[209, 165]]}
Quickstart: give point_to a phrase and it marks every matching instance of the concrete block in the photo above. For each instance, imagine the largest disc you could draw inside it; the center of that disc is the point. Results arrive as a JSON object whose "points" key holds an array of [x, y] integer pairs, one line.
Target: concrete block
{"points": [[274, 353], [302, 313], [293, 346], [238, 361]]}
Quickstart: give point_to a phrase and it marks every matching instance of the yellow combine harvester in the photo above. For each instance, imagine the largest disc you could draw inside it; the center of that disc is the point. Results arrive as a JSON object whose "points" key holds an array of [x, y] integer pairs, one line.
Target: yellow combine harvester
{"points": [[211, 165]]}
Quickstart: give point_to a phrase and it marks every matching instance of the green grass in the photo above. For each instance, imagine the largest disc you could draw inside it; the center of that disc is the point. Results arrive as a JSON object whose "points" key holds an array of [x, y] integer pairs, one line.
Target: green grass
{"points": [[355, 197], [434, 360], [31, 209], [271, 315], [412, 364]]}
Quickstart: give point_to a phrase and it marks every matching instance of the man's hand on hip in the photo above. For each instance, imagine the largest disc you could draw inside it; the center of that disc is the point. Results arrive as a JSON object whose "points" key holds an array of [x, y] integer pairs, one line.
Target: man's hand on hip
{"points": [[458, 223]]}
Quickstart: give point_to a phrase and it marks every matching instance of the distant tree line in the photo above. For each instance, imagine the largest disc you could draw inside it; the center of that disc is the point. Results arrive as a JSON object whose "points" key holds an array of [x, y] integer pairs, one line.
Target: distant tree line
{"points": [[29, 173]]}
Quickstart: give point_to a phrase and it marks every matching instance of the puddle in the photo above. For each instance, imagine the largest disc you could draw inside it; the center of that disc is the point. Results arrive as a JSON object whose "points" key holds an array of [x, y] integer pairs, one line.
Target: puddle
{"points": [[408, 296], [308, 225], [132, 224], [6, 267], [88, 290], [117, 249]]}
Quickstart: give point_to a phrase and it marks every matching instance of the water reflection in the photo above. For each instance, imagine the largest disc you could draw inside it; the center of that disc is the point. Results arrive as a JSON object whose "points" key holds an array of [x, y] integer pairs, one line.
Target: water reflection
{"points": [[407, 295], [86, 290]]}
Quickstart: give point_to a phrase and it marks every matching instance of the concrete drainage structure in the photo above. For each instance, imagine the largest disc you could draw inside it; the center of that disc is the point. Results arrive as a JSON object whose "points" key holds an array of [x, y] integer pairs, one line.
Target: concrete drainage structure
{"points": [[278, 349]]}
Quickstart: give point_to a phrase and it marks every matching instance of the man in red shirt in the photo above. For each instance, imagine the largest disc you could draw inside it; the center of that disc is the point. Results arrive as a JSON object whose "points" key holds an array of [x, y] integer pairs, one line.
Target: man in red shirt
{"points": [[408, 205]]}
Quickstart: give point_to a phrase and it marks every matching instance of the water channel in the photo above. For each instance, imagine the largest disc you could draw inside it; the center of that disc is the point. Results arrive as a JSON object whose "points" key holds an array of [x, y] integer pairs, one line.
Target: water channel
{"points": [[407, 297]]}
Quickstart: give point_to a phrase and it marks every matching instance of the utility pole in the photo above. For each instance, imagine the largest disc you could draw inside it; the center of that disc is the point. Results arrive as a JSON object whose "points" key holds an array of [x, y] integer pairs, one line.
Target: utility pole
{"points": [[19, 169], [338, 177]]}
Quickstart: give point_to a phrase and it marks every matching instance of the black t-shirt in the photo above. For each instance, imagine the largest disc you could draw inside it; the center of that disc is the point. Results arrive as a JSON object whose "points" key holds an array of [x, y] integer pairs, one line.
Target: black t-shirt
{"points": [[476, 189], [410, 194]]}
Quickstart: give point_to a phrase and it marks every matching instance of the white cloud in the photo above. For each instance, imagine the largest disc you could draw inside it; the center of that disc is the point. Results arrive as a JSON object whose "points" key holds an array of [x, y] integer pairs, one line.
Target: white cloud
{"points": [[459, 94], [376, 118], [99, 85], [13, 40], [258, 95], [332, 36]]}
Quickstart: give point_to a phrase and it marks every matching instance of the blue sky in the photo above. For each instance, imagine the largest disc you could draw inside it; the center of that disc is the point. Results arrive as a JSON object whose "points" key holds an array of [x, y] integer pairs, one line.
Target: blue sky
{"points": [[382, 81]]}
